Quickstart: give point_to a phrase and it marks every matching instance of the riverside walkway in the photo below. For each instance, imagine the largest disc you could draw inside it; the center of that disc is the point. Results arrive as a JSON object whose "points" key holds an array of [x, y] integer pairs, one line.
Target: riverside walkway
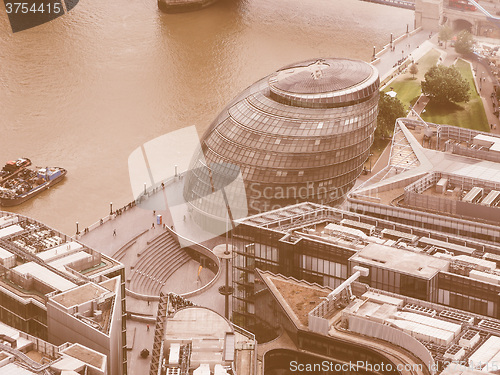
{"points": [[126, 235]]}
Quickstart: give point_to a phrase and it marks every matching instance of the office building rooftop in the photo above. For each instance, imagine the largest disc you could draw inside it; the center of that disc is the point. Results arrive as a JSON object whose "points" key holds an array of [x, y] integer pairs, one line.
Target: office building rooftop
{"points": [[200, 341], [437, 171], [435, 334], [406, 261], [23, 354], [42, 260], [67, 292]]}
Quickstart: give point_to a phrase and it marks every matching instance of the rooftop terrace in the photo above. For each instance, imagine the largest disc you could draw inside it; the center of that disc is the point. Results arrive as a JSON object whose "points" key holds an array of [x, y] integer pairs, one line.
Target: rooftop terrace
{"points": [[422, 156], [432, 332], [37, 260]]}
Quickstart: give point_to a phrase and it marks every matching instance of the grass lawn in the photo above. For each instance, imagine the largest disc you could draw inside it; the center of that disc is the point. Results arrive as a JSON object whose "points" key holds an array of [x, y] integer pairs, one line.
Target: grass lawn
{"points": [[407, 87], [467, 115]]}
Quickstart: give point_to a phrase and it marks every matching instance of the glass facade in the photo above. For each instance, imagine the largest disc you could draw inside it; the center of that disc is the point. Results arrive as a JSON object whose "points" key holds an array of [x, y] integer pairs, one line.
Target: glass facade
{"points": [[281, 242], [467, 294], [313, 261], [301, 134], [395, 281], [28, 317]]}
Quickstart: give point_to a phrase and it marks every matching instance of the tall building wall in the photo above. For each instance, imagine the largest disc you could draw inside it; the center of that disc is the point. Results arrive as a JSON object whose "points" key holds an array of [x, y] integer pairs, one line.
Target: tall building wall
{"points": [[64, 324]]}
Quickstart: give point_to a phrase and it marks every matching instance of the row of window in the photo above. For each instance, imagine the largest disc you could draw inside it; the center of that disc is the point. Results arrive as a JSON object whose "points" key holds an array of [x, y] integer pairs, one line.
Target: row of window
{"points": [[341, 98], [272, 123], [261, 101], [238, 128], [260, 171], [324, 267], [227, 144]]}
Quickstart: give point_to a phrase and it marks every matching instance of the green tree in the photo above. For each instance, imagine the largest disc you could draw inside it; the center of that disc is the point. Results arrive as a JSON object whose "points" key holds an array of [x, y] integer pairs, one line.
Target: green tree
{"points": [[445, 34], [445, 84], [464, 42], [413, 70], [389, 109]]}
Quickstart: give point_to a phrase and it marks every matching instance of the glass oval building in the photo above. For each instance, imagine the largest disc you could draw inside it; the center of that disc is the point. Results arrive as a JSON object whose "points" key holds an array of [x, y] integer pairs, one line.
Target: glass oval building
{"points": [[302, 133]]}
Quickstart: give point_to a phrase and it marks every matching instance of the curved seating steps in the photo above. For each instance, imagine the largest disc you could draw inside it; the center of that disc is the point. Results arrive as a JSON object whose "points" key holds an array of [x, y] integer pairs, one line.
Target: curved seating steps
{"points": [[152, 264], [158, 245], [157, 263], [161, 264], [144, 281], [150, 259], [147, 284], [118, 255]]}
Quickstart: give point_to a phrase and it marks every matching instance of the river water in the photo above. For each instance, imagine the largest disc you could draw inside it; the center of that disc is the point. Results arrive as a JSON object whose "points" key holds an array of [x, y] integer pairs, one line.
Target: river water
{"points": [[83, 91]]}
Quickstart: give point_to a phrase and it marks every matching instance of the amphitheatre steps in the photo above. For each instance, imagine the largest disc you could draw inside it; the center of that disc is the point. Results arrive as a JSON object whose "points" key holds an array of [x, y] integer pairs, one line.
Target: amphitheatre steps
{"points": [[156, 263]]}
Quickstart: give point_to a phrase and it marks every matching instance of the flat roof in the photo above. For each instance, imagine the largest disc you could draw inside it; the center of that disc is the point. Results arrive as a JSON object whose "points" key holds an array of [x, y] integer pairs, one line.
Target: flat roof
{"points": [[13, 333], [109, 284], [61, 262], [4, 254], [45, 275], [487, 138], [480, 262], [431, 161], [404, 261], [57, 251], [67, 364], [11, 229], [13, 369], [185, 325], [82, 294], [86, 355], [446, 245], [9, 219], [270, 217]]}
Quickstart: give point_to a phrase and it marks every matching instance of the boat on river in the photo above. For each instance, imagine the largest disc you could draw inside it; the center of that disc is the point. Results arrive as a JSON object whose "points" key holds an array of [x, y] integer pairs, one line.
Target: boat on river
{"points": [[12, 168], [27, 183]]}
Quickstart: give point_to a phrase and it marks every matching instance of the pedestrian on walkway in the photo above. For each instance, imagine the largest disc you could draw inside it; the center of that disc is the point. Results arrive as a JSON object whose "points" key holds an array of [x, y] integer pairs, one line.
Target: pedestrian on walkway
{"points": [[114, 232], [153, 226], [154, 212], [147, 327]]}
